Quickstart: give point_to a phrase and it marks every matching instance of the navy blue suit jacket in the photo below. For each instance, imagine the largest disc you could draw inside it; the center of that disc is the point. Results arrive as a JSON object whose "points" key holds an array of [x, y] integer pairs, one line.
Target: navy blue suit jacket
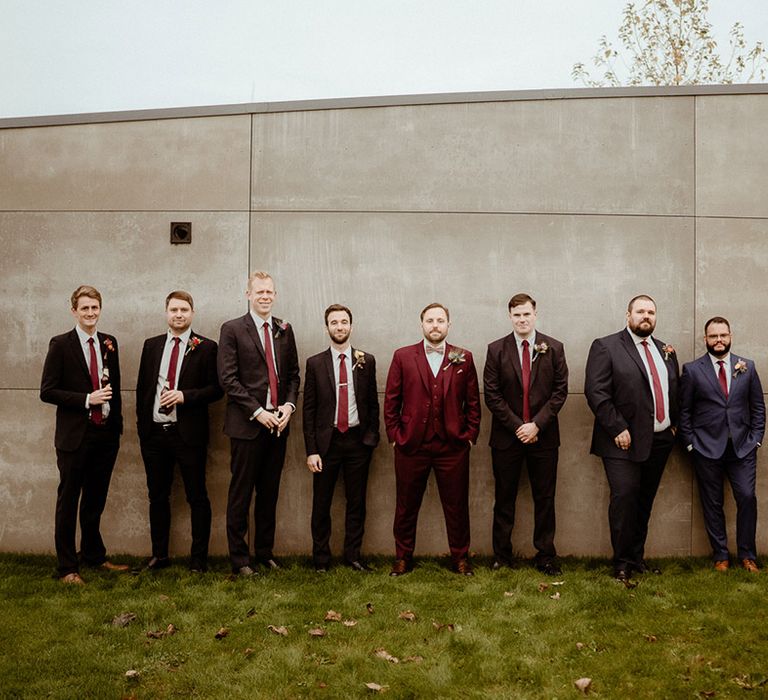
{"points": [[708, 419]]}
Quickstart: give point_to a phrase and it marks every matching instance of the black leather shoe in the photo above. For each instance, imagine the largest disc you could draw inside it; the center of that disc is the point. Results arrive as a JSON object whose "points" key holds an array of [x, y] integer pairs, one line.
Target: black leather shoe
{"points": [[357, 565], [549, 568], [271, 564], [645, 567], [157, 563], [321, 568], [245, 571], [621, 575], [198, 567], [497, 565]]}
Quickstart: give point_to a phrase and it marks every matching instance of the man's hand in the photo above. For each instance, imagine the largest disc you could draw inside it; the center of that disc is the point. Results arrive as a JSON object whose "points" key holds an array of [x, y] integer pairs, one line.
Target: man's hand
{"points": [[284, 414], [314, 463], [100, 396], [527, 433], [623, 440], [268, 419], [171, 398]]}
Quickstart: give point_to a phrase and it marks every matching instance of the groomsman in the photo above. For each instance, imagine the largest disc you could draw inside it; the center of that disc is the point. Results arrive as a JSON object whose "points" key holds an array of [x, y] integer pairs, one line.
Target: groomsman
{"points": [[631, 387], [81, 377], [526, 384], [432, 415], [341, 428], [177, 380], [259, 369], [722, 422]]}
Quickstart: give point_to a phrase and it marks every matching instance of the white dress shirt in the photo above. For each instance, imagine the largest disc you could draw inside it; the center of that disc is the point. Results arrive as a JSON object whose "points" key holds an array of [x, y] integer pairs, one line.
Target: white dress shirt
{"points": [[354, 419], [435, 359], [162, 377], [531, 342], [726, 366], [661, 370], [86, 346], [271, 400]]}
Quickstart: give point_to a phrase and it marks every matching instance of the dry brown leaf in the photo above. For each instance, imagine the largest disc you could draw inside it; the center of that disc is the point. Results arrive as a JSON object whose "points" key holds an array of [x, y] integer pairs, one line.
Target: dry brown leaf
{"points": [[322, 685], [543, 586], [332, 616], [223, 632], [251, 612], [707, 693], [508, 594], [278, 630], [349, 623], [123, 619], [376, 688], [651, 638], [583, 684], [369, 608], [159, 634], [407, 615], [555, 596], [248, 651], [558, 583], [132, 675], [580, 645], [413, 659], [317, 632], [384, 654], [439, 626]]}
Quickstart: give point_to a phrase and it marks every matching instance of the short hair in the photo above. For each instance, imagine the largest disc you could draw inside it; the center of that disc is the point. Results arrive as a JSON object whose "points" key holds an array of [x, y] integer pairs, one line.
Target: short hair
{"points": [[716, 319], [180, 294], [337, 307], [84, 290], [435, 305], [637, 298], [520, 299], [259, 275]]}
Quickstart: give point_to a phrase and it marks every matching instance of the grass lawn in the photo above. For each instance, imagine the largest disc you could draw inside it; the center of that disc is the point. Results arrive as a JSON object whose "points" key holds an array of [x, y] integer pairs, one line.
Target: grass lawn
{"points": [[688, 633]]}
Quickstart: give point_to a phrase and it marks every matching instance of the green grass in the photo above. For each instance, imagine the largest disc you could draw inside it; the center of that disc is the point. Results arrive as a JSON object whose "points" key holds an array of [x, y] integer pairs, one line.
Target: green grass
{"points": [[684, 634]]}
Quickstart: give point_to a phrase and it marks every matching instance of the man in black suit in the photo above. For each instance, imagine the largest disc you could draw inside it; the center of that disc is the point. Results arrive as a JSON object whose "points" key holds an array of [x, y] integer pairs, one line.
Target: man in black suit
{"points": [[259, 369], [81, 377], [631, 386], [177, 380], [526, 385], [341, 428]]}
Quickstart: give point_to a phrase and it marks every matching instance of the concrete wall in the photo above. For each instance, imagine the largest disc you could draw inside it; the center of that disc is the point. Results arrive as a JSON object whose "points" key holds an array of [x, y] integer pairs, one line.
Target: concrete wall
{"points": [[583, 201]]}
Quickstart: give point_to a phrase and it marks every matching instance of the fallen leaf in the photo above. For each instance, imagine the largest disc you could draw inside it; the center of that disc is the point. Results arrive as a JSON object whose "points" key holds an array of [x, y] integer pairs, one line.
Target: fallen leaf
{"points": [[322, 685], [369, 608], [317, 632], [248, 651], [583, 684], [508, 594], [580, 645], [650, 638], [123, 619], [384, 654], [558, 583], [332, 616], [543, 586], [278, 630], [413, 659], [707, 693], [251, 612], [376, 688], [223, 632], [629, 584], [163, 597], [407, 615], [555, 596], [439, 626], [132, 675], [160, 634], [349, 623]]}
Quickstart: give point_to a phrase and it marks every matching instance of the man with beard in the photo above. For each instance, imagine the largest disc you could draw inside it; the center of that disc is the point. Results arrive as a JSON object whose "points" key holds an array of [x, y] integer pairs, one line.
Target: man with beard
{"points": [[631, 387], [341, 428], [432, 416], [722, 421]]}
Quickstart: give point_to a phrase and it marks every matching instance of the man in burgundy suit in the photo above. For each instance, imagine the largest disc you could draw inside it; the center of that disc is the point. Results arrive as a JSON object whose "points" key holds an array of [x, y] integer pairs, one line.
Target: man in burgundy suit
{"points": [[259, 369], [81, 377], [432, 415], [526, 384]]}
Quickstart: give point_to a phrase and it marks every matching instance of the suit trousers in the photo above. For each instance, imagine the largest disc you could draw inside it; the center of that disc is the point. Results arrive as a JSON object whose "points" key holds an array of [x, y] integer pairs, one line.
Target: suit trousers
{"points": [[84, 476], [542, 474], [161, 450], [450, 463], [256, 465], [633, 489], [348, 455], [741, 473]]}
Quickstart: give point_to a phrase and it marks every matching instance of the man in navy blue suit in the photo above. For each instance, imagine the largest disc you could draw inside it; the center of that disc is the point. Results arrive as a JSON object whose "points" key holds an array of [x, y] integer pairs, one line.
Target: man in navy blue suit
{"points": [[722, 421]]}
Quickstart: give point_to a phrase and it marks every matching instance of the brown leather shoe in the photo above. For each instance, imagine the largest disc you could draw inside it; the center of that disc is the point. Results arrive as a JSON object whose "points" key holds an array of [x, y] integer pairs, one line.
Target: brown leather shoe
{"points": [[722, 565], [750, 565], [109, 566], [463, 567], [72, 579], [401, 566]]}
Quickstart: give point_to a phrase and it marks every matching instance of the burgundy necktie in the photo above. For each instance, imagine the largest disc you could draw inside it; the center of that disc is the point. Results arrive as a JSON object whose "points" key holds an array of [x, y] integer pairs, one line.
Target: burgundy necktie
{"points": [[342, 419], [96, 414], [657, 392], [723, 379], [270, 365], [526, 383], [172, 365]]}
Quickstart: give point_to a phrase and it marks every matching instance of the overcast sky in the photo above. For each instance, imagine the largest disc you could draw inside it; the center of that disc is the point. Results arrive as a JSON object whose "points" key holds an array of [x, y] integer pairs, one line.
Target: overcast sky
{"points": [[59, 57]]}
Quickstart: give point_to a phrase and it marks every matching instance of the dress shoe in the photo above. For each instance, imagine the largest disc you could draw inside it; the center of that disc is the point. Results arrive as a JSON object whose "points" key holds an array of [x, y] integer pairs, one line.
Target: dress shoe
{"points": [[357, 565], [270, 564], [621, 575], [72, 579], [109, 566], [722, 565], [463, 567], [321, 568], [157, 563], [498, 565], [549, 568], [198, 567], [645, 567], [401, 566], [750, 565], [245, 571]]}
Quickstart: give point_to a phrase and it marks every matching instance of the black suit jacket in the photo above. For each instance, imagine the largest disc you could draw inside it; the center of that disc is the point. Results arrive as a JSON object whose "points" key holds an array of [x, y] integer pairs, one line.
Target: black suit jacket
{"points": [[619, 394], [66, 382], [243, 372], [198, 381], [503, 386], [320, 400]]}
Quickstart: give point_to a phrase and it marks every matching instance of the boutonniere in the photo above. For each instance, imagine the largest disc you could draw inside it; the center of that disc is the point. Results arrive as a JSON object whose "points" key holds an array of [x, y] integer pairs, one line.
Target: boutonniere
{"points": [[455, 357], [739, 368], [109, 347], [192, 343], [541, 348], [668, 350], [281, 327], [359, 356]]}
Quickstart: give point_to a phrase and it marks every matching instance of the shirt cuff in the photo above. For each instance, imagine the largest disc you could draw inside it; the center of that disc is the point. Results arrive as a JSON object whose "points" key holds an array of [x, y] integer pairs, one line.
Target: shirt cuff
{"points": [[87, 401], [256, 413]]}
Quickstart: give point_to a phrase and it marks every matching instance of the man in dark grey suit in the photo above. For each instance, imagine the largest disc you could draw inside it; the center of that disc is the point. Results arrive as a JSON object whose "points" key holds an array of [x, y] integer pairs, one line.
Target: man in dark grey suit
{"points": [[631, 387], [341, 428], [259, 369], [722, 422]]}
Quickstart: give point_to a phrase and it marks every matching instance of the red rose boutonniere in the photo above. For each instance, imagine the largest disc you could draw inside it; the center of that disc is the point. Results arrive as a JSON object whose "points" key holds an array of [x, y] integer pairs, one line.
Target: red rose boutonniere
{"points": [[192, 343], [281, 327], [668, 351]]}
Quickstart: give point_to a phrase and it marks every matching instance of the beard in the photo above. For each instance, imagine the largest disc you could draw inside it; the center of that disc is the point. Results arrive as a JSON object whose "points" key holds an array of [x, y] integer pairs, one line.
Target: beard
{"points": [[644, 331], [721, 353], [340, 337]]}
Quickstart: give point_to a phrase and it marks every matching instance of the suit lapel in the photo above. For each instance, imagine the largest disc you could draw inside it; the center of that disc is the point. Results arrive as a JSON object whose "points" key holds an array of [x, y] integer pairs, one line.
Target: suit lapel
{"points": [[447, 368], [736, 380], [353, 372], [535, 359], [328, 364], [510, 349], [253, 332], [631, 349], [423, 366], [706, 368], [157, 357], [185, 356], [74, 341]]}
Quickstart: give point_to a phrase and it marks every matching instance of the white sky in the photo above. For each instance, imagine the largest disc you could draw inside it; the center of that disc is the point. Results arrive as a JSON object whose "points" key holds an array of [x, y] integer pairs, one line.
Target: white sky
{"points": [[71, 56]]}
